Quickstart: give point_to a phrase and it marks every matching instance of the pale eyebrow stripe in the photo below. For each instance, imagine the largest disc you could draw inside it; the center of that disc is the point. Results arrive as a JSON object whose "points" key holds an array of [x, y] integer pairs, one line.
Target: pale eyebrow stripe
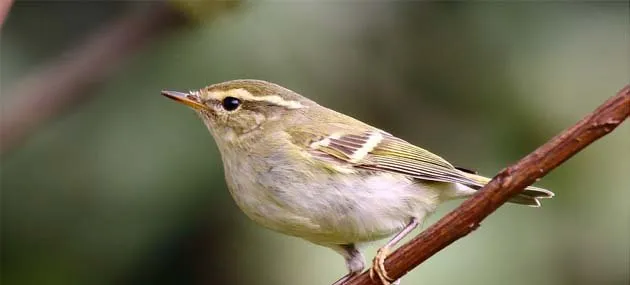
{"points": [[271, 99]]}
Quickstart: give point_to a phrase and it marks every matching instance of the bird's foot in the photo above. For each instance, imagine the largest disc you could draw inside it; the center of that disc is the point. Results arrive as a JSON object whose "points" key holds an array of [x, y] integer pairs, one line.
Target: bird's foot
{"points": [[378, 267]]}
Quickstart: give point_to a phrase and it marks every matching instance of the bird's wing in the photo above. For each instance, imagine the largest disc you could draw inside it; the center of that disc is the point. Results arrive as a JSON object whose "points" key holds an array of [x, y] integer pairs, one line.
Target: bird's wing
{"points": [[377, 150]]}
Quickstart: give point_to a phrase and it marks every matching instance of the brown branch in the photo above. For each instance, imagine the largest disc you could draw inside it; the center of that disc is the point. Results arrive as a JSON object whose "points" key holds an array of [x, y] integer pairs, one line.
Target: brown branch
{"points": [[66, 82], [510, 181], [5, 6]]}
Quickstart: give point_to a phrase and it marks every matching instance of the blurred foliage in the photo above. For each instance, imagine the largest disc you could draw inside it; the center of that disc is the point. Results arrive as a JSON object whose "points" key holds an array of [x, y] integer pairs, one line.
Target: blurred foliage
{"points": [[128, 188], [201, 11]]}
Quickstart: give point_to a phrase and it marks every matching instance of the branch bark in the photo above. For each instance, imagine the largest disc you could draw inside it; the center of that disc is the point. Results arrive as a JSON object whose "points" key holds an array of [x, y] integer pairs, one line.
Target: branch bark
{"points": [[509, 182]]}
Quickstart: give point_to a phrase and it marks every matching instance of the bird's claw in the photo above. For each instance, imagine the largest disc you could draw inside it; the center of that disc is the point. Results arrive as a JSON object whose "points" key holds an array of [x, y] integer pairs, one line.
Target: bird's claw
{"points": [[378, 266]]}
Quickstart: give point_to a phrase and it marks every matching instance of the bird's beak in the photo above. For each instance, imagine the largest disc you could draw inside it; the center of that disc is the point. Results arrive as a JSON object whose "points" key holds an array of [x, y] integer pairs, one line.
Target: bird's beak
{"points": [[185, 98]]}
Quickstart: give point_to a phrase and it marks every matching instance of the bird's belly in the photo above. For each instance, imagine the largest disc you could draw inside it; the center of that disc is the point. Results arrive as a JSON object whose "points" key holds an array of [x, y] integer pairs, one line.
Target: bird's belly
{"points": [[334, 209]]}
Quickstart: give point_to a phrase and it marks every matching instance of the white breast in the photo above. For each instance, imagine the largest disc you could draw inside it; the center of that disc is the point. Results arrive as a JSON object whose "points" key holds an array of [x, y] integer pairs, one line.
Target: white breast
{"points": [[328, 208]]}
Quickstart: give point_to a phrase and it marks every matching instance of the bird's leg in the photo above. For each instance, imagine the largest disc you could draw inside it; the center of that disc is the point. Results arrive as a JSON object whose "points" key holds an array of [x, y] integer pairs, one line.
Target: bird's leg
{"points": [[378, 264], [354, 261]]}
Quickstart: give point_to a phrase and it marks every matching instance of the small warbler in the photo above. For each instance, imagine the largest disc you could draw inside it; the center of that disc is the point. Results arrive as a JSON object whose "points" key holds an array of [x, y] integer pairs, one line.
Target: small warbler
{"points": [[304, 170]]}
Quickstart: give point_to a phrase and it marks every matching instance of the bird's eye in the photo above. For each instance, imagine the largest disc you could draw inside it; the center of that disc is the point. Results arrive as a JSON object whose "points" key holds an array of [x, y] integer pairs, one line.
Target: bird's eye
{"points": [[230, 103]]}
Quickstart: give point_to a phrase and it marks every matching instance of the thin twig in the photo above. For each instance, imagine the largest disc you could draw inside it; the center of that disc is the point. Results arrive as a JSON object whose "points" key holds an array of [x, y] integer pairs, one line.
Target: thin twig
{"points": [[509, 182], [5, 6], [66, 82]]}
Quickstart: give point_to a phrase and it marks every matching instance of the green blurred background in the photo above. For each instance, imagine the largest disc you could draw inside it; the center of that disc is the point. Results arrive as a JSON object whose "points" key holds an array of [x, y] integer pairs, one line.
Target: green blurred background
{"points": [[126, 187]]}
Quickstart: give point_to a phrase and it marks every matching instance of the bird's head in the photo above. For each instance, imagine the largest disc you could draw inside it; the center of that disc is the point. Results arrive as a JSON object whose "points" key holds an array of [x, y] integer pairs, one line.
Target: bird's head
{"points": [[238, 108]]}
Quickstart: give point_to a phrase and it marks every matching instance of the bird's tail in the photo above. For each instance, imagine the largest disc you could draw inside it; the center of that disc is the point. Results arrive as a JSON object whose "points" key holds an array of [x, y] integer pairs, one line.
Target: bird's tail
{"points": [[530, 196]]}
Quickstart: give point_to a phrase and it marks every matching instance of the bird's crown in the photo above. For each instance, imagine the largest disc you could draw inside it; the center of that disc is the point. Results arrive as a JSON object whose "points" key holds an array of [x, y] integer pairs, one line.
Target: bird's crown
{"points": [[250, 90]]}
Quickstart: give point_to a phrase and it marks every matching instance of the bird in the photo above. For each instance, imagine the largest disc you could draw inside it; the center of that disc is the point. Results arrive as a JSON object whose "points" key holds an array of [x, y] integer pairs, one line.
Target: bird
{"points": [[304, 170]]}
